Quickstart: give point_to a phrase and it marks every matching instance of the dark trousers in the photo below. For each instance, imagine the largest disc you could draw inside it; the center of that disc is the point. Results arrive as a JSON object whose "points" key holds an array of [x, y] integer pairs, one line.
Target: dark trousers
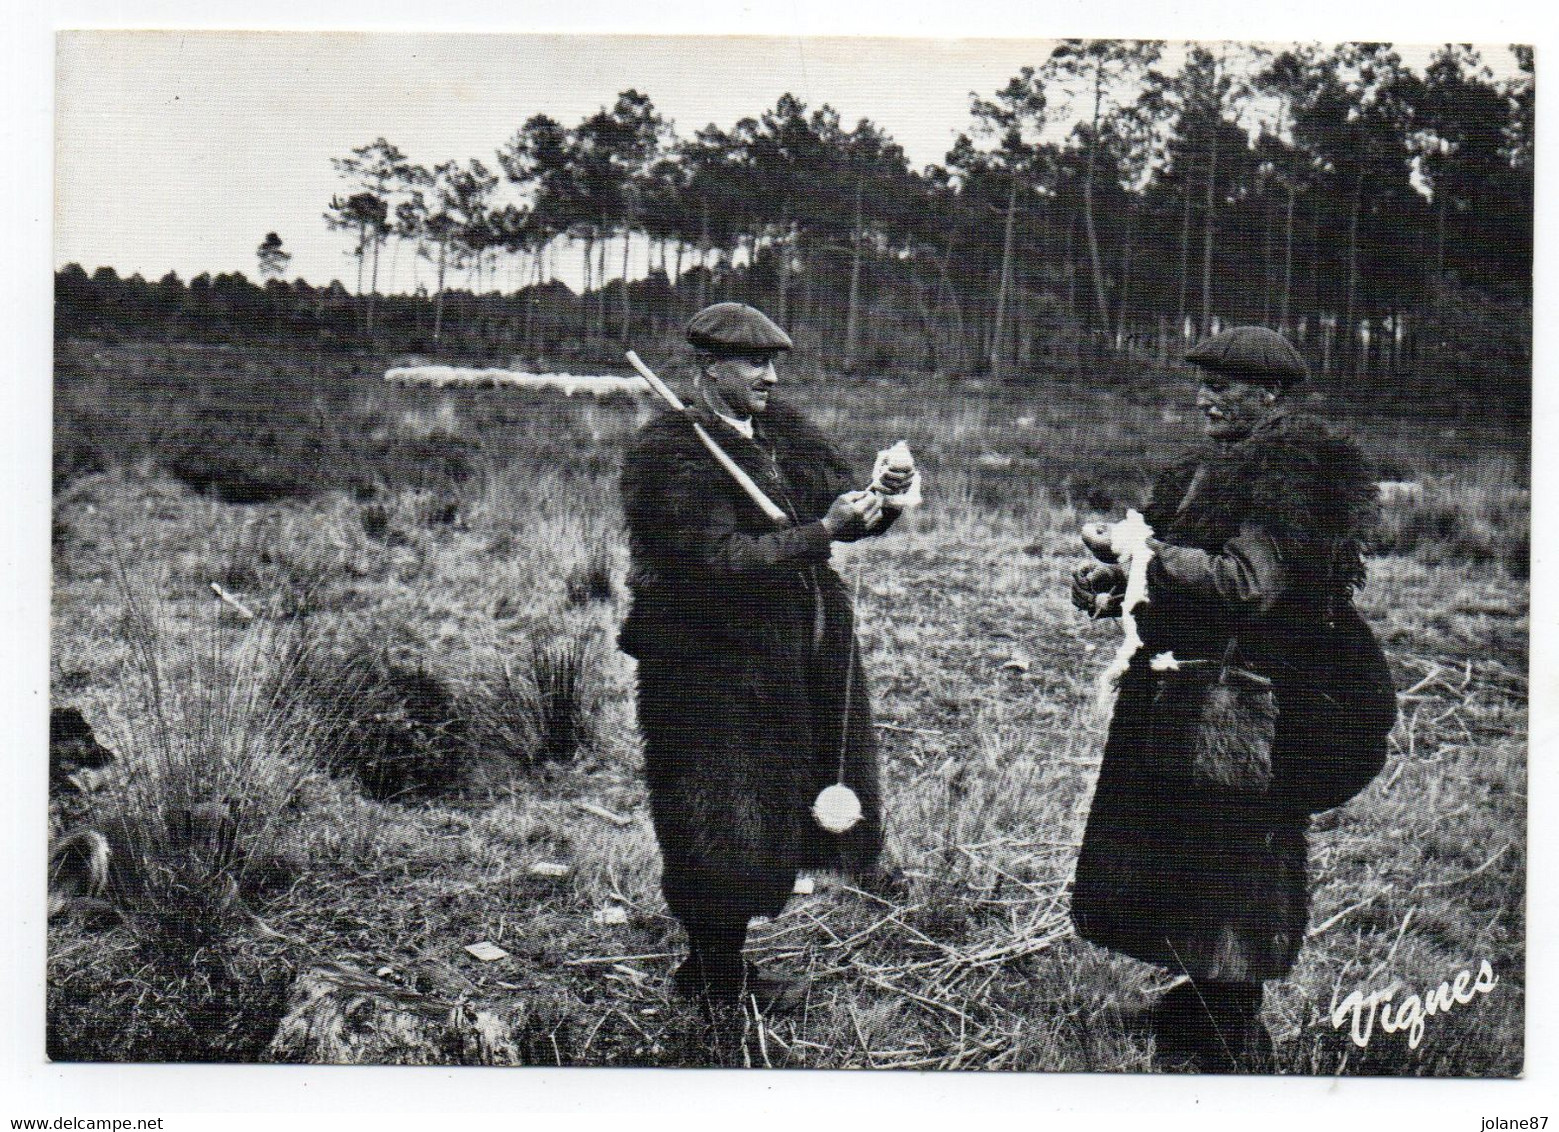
{"points": [[714, 957], [714, 910], [1211, 1027]]}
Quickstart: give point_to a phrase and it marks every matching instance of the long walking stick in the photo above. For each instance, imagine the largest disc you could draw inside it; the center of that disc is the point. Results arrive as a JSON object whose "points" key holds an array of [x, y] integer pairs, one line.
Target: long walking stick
{"points": [[743, 480]]}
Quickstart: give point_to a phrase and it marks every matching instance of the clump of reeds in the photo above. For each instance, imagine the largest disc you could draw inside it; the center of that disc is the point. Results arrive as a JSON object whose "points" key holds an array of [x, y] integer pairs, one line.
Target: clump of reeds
{"points": [[562, 672], [590, 580], [395, 727], [188, 847], [540, 710], [216, 749]]}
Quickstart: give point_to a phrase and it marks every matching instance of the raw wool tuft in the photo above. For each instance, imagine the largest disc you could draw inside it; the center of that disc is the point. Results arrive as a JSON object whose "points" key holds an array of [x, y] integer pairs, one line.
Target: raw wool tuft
{"points": [[1129, 541], [897, 458]]}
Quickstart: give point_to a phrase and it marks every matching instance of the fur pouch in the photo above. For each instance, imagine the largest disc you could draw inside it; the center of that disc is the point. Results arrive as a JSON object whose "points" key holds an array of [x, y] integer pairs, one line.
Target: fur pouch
{"points": [[1225, 720]]}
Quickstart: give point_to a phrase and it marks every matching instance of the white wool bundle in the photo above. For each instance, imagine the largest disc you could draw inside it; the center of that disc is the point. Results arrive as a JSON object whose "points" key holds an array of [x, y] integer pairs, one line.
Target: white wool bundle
{"points": [[897, 458], [1129, 541], [837, 809]]}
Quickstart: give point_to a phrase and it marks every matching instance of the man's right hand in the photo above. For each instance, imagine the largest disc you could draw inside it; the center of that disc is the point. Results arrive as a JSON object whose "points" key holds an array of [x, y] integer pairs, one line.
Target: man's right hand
{"points": [[852, 515], [1097, 589]]}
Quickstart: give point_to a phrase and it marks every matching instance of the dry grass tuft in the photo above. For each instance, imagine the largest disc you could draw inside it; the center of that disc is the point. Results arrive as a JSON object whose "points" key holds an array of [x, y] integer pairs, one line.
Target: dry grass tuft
{"points": [[195, 836], [1480, 519], [591, 580], [396, 729], [544, 712]]}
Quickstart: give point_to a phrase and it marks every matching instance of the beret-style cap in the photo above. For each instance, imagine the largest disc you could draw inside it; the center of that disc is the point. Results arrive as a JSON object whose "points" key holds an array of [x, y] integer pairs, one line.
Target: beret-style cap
{"points": [[736, 328], [1250, 351]]}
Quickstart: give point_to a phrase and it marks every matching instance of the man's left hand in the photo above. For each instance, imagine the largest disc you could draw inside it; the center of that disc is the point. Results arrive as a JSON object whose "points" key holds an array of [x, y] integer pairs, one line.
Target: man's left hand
{"points": [[857, 513]]}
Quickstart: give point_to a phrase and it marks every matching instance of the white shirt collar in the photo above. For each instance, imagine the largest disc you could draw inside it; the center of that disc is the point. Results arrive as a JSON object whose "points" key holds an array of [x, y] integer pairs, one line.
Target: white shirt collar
{"points": [[743, 427]]}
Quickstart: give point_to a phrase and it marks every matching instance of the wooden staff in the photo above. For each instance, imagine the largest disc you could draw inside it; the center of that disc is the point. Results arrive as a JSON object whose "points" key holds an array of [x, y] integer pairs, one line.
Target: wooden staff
{"points": [[743, 480]]}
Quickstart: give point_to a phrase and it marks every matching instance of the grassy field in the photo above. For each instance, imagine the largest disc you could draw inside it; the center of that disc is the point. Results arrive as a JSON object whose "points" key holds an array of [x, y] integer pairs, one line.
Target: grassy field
{"points": [[318, 808]]}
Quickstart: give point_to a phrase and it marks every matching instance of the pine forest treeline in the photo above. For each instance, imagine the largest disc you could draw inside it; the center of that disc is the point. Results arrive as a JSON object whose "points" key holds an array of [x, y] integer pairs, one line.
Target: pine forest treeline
{"points": [[1380, 217]]}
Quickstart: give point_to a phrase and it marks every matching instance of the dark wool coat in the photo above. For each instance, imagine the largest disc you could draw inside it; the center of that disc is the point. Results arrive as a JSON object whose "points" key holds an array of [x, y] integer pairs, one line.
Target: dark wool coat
{"points": [[743, 637], [1183, 873]]}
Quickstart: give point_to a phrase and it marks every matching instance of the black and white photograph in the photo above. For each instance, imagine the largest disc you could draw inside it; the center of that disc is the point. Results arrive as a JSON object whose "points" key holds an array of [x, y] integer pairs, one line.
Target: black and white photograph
{"points": [[813, 553]]}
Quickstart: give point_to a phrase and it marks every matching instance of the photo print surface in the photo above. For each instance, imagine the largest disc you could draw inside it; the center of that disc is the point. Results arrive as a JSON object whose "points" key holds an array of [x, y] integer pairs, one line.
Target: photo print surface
{"points": [[692, 552]]}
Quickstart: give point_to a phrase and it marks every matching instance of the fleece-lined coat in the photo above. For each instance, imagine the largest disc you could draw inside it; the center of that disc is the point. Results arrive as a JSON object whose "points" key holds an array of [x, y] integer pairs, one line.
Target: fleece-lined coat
{"points": [[743, 636], [1262, 539]]}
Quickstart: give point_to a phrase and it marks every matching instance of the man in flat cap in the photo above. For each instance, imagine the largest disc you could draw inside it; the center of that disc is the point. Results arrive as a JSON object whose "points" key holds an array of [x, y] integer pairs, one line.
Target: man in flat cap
{"points": [[751, 696], [1276, 704]]}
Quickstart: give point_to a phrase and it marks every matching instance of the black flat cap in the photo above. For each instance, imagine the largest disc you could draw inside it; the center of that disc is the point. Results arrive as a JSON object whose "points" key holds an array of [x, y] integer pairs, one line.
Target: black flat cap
{"points": [[1250, 351], [736, 328]]}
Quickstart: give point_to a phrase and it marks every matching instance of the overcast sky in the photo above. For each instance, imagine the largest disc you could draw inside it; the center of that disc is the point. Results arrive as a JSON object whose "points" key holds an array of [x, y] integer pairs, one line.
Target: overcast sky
{"points": [[181, 150]]}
